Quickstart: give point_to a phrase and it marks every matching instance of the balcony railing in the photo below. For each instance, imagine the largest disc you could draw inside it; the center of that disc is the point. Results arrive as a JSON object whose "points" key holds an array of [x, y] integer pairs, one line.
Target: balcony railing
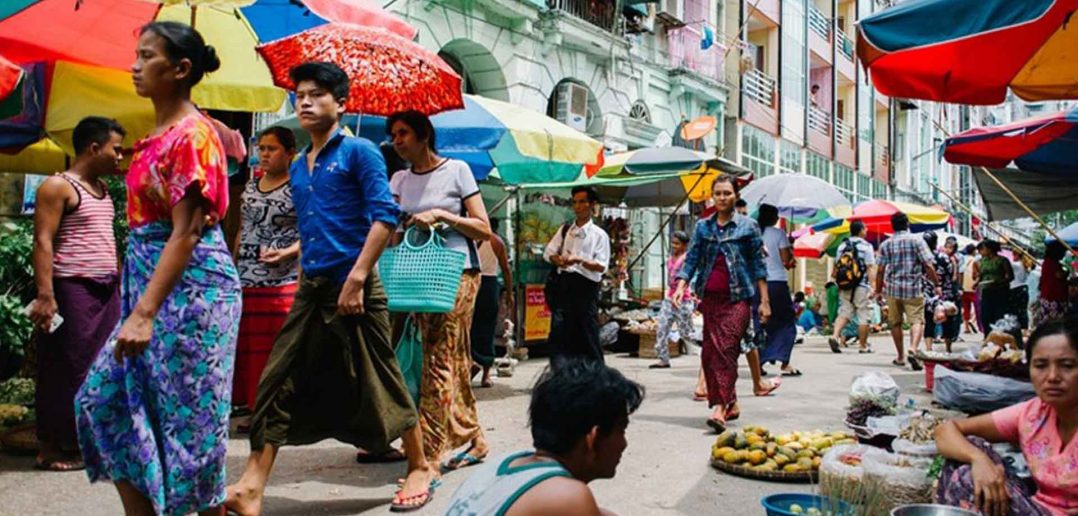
{"points": [[819, 120], [818, 23], [883, 156], [845, 45], [760, 87], [685, 52], [843, 133], [600, 13]]}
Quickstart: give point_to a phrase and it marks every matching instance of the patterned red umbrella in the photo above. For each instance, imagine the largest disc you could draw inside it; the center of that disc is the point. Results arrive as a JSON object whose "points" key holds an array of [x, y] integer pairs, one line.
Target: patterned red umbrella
{"points": [[388, 73]]}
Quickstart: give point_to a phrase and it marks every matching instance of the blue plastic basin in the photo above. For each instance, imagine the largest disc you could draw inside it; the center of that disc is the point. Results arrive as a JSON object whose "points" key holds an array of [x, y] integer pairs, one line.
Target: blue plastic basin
{"points": [[779, 504]]}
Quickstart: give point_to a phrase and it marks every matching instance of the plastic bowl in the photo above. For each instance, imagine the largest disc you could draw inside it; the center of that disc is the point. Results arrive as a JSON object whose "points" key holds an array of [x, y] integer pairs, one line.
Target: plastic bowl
{"points": [[779, 504], [929, 509]]}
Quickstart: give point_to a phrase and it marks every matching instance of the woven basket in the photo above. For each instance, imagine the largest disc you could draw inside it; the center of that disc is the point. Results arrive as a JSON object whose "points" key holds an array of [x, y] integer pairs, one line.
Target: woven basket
{"points": [[421, 278], [772, 476]]}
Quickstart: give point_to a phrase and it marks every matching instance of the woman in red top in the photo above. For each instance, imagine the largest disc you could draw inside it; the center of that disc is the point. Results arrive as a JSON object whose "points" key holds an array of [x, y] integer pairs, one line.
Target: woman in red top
{"points": [[1053, 302]]}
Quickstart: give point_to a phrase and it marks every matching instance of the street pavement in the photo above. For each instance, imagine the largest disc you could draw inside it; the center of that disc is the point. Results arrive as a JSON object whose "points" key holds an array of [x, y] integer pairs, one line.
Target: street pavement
{"points": [[664, 471]]}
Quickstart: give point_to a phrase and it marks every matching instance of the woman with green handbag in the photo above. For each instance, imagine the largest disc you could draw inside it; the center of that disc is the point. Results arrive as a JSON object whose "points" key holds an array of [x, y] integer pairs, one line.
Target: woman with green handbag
{"points": [[441, 195]]}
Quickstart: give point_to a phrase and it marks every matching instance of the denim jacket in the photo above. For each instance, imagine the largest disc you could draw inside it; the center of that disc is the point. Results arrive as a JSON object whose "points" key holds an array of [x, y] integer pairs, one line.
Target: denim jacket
{"points": [[739, 241]]}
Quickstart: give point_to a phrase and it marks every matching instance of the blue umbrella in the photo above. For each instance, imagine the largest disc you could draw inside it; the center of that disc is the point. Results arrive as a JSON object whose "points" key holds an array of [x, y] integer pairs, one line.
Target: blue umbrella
{"points": [[276, 19], [1069, 235]]}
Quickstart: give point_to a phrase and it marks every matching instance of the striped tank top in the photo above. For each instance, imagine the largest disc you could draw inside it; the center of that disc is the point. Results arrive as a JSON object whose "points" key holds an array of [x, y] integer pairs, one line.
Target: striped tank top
{"points": [[85, 245], [494, 487]]}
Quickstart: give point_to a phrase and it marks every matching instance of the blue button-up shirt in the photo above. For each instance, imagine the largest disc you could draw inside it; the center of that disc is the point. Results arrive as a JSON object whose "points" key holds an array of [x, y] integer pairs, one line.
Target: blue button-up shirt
{"points": [[338, 201], [739, 241]]}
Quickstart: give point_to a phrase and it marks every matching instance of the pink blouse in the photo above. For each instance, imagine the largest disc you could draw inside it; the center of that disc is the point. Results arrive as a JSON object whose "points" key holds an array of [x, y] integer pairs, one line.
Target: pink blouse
{"points": [[189, 153], [1032, 424]]}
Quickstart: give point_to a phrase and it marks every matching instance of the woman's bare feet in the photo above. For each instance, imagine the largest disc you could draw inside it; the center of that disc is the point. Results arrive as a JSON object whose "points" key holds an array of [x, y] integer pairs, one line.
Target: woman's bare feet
{"points": [[244, 498], [766, 387], [417, 482]]}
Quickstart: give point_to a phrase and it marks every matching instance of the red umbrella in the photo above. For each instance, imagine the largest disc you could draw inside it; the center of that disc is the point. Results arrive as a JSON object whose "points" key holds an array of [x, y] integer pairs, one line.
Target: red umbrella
{"points": [[10, 75], [814, 245], [388, 73]]}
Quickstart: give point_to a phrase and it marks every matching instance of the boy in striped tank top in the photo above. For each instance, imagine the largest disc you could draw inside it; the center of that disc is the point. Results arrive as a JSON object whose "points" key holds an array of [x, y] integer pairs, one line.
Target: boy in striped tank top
{"points": [[75, 269], [579, 412]]}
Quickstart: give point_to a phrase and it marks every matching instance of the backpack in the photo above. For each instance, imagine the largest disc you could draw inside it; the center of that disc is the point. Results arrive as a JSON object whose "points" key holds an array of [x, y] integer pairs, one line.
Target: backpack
{"points": [[850, 267]]}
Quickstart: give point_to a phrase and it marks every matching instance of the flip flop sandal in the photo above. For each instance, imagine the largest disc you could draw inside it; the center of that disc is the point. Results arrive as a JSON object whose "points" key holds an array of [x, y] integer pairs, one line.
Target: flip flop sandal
{"points": [[865, 351], [899, 363], [915, 364], [716, 425], [461, 460], [732, 415], [794, 372], [833, 342], [363, 457], [698, 397], [774, 385], [59, 465], [401, 504]]}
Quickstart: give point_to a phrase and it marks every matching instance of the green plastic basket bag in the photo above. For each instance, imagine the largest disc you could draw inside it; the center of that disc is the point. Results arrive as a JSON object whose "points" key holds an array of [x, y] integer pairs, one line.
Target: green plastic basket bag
{"points": [[421, 278]]}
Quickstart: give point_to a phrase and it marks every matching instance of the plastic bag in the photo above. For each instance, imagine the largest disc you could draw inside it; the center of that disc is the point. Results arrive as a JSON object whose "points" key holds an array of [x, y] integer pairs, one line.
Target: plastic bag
{"points": [[917, 450], [876, 386], [978, 393], [410, 357], [892, 480], [841, 472]]}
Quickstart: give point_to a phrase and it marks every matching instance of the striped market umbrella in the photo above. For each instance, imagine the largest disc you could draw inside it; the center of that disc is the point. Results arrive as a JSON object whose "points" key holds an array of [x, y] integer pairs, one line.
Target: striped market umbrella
{"points": [[800, 198], [1045, 144], [972, 51], [876, 215]]}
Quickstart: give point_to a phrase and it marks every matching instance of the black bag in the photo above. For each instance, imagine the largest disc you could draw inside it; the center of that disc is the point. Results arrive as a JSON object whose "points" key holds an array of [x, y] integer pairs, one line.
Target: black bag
{"points": [[850, 267], [552, 289]]}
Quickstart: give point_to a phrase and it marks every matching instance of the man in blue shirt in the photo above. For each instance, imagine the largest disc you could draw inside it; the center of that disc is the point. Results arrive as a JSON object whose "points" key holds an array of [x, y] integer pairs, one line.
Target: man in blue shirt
{"points": [[332, 372]]}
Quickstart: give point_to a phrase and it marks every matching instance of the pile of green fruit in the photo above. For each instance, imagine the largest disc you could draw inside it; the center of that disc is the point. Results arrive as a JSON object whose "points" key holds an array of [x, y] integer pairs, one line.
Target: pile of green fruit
{"points": [[795, 452]]}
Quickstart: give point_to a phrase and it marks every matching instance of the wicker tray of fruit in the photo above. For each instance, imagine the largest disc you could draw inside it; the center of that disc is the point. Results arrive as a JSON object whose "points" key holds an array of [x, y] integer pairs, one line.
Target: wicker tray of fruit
{"points": [[755, 453]]}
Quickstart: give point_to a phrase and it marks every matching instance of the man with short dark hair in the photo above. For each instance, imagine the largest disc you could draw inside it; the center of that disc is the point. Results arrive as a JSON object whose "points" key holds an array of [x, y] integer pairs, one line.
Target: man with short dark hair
{"points": [[75, 262], [579, 412], [332, 372], [581, 254], [904, 262], [741, 207], [856, 301]]}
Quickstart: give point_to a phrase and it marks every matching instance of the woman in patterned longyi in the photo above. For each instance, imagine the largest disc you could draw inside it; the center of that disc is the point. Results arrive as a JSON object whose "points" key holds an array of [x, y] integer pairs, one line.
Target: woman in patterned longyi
{"points": [[153, 412]]}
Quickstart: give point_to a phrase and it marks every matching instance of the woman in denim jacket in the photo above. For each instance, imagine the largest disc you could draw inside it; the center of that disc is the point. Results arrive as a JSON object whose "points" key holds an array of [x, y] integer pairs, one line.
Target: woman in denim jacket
{"points": [[725, 265]]}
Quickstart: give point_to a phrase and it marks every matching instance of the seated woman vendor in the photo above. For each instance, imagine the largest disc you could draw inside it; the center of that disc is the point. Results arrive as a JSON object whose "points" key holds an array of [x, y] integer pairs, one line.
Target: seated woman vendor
{"points": [[1044, 427]]}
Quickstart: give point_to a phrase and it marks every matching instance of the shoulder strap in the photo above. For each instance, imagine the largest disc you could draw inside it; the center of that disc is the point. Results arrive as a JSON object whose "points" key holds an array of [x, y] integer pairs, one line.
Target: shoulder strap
{"points": [[78, 193], [564, 230]]}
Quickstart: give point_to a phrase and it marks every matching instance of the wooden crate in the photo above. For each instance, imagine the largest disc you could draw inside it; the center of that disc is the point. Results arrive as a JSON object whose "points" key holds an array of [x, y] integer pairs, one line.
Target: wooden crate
{"points": [[647, 347]]}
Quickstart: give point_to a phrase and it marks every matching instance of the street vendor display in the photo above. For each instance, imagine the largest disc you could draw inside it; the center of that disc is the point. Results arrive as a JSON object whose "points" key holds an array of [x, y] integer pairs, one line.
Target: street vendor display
{"points": [[793, 457]]}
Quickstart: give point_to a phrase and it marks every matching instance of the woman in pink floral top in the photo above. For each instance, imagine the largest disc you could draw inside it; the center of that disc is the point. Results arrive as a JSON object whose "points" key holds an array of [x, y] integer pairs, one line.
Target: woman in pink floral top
{"points": [[153, 412], [1044, 427]]}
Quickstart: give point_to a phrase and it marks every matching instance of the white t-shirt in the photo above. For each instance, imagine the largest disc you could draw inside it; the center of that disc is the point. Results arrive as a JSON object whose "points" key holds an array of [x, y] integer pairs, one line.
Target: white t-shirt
{"points": [[445, 187], [775, 240], [1020, 274]]}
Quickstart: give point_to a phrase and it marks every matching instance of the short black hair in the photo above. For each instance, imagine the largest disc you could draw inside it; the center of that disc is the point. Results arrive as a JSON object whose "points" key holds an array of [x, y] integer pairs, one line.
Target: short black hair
{"points": [[184, 42], [767, 215], [94, 129], [327, 76], [593, 196], [681, 236], [1055, 250], [284, 135], [799, 296], [740, 203], [857, 228], [420, 124], [575, 396], [969, 249], [900, 222], [932, 240], [726, 178], [991, 245], [1067, 327]]}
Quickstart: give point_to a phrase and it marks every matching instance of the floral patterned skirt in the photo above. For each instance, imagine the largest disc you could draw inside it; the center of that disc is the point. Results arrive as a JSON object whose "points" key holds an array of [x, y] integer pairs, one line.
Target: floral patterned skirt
{"points": [[159, 421]]}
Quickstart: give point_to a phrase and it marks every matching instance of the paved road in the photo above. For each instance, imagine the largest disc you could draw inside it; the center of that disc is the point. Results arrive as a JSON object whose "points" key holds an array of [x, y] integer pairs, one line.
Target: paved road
{"points": [[664, 471]]}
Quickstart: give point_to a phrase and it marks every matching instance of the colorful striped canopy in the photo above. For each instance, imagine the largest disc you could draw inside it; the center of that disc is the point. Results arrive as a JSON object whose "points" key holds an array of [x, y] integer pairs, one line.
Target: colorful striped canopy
{"points": [[876, 215], [972, 51], [1046, 144]]}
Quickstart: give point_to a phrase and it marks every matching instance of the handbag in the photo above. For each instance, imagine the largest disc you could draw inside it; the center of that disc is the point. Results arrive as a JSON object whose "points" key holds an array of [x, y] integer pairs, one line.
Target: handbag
{"points": [[410, 357], [552, 288], [421, 278]]}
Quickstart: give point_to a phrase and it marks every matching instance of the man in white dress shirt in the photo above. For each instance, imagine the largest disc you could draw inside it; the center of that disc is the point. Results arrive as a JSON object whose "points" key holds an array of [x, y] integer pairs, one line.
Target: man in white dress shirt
{"points": [[581, 262]]}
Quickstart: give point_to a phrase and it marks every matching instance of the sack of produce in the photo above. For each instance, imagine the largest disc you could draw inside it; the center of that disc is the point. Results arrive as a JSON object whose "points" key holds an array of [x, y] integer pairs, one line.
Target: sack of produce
{"points": [[841, 473], [877, 386], [892, 480], [917, 439], [978, 393]]}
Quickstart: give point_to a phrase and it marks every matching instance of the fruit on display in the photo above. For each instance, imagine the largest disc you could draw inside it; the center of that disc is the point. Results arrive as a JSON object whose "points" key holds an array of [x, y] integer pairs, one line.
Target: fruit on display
{"points": [[795, 452]]}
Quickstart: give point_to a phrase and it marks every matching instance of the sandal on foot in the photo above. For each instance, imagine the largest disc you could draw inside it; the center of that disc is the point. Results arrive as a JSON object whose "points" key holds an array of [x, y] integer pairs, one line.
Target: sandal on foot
{"points": [[915, 364], [732, 414], [791, 372], [833, 342], [59, 465], [696, 396], [865, 350], [767, 392], [364, 457], [412, 503], [717, 425], [660, 365], [486, 384], [461, 460], [899, 363]]}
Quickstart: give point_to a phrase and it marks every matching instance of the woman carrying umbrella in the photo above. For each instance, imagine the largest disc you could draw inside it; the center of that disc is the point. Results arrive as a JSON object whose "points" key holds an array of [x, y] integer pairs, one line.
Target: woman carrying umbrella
{"points": [[153, 411], [726, 267], [440, 194]]}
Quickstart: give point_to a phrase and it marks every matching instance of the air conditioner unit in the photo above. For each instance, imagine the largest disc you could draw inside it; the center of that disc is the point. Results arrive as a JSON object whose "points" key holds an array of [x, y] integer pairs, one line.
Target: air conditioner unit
{"points": [[573, 106]]}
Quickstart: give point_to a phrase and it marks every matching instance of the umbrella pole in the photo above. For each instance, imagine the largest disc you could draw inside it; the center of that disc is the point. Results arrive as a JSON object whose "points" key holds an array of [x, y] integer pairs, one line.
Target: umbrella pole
{"points": [[662, 228], [988, 225], [1028, 210]]}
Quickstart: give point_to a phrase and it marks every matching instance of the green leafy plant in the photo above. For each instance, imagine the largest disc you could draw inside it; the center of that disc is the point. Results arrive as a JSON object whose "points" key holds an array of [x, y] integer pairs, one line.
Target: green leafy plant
{"points": [[17, 391], [118, 193], [17, 280]]}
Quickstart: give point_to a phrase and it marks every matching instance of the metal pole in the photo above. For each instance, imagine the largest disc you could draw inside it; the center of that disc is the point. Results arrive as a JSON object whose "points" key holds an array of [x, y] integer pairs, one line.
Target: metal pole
{"points": [[1028, 210], [988, 225]]}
